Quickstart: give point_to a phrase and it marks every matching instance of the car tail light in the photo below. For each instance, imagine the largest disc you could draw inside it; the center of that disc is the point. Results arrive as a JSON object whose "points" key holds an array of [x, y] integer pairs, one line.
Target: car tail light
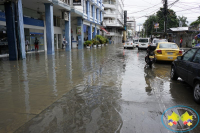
{"points": [[123, 43], [180, 52], [131, 44], [159, 51]]}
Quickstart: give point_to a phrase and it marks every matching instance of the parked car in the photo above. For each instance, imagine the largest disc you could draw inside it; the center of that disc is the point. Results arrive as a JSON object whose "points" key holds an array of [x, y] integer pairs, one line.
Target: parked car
{"points": [[187, 67], [128, 44], [157, 40], [135, 42], [167, 51], [143, 43]]}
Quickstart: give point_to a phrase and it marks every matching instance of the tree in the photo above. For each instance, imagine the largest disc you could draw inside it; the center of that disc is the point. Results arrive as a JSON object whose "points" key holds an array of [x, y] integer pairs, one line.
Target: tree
{"points": [[183, 20], [172, 20], [149, 24], [195, 23], [159, 18]]}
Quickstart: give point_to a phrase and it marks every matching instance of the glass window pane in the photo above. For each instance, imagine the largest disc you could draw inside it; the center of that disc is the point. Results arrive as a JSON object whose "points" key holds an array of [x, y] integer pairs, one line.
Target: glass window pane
{"points": [[168, 45], [188, 56], [197, 57]]}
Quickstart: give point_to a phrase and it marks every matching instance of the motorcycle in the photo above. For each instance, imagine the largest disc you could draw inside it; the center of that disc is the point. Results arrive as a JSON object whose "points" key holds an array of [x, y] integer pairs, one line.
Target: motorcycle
{"points": [[150, 57]]}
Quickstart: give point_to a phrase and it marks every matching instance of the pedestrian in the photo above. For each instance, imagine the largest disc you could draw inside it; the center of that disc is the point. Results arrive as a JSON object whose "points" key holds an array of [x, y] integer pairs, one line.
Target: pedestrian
{"points": [[36, 44], [181, 41], [63, 43], [27, 44]]}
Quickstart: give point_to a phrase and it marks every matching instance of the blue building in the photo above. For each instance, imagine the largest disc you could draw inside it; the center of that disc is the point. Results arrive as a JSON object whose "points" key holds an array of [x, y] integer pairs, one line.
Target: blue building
{"points": [[50, 21]]}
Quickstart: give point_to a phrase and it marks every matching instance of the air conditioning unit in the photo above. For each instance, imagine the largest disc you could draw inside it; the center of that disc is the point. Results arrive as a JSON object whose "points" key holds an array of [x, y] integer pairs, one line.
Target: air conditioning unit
{"points": [[65, 16]]}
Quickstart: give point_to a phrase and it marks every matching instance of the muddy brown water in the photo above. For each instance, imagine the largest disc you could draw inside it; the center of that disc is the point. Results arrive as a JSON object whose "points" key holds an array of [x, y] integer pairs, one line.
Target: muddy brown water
{"points": [[103, 90]]}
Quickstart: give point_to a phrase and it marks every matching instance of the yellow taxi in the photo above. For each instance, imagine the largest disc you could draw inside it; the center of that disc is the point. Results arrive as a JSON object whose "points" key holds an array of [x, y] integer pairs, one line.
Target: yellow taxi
{"points": [[167, 51]]}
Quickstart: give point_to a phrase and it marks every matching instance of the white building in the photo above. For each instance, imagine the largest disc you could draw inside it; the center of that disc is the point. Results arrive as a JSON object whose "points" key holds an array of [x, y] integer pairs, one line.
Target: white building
{"points": [[50, 21], [114, 19], [131, 27]]}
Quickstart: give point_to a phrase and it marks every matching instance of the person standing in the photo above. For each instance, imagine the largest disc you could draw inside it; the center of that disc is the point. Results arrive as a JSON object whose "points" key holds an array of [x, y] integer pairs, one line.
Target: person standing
{"points": [[27, 44], [181, 41], [36, 44]]}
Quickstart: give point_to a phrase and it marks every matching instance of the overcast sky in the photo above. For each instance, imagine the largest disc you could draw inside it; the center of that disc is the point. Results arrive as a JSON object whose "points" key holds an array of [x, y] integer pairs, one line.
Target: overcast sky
{"points": [[140, 8]]}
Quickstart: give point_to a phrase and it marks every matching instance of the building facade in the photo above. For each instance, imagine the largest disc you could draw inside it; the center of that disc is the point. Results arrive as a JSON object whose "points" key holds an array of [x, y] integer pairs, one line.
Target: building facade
{"points": [[131, 27], [50, 21], [114, 20]]}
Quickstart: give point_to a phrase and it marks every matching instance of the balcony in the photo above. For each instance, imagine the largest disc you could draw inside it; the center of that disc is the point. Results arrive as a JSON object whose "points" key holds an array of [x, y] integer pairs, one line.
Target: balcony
{"points": [[91, 18], [111, 6], [113, 34], [85, 15], [110, 14], [95, 20], [62, 4]]}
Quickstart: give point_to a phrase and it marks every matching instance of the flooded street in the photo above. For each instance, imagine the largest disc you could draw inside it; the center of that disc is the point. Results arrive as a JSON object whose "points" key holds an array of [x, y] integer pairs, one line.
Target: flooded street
{"points": [[102, 90]]}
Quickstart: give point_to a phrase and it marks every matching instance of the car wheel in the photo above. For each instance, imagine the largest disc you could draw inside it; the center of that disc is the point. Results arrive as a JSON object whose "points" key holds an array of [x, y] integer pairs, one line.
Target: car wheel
{"points": [[196, 92], [173, 74]]}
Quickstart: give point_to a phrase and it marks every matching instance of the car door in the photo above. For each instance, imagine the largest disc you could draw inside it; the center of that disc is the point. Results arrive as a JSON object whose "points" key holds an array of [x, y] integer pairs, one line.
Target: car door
{"points": [[182, 65], [194, 68]]}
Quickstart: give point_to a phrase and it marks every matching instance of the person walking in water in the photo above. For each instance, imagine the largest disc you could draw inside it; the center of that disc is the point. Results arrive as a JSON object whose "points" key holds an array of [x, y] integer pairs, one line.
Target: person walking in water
{"points": [[36, 44]]}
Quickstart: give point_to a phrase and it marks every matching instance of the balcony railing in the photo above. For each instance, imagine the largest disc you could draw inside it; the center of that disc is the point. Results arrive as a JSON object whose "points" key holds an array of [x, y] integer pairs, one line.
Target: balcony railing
{"points": [[65, 1]]}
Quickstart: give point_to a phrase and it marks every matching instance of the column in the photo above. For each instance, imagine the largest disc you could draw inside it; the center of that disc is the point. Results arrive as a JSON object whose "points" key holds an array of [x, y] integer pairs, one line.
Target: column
{"points": [[97, 15], [93, 12], [68, 33], [95, 31], [100, 16], [11, 35], [90, 32], [88, 10], [21, 36], [49, 27], [80, 37]]}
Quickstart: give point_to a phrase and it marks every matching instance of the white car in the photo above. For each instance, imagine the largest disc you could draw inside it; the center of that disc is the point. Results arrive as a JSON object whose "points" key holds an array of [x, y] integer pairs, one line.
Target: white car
{"points": [[143, 43], [157, 40], [128, 44], [135, 42]]}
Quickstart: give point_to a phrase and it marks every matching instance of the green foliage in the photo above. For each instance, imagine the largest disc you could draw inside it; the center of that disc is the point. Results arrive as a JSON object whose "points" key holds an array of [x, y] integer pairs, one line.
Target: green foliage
{"points": [[95, 41], [195, 23], [100, 38], [87, 43], [183, 20], [172, 21]]}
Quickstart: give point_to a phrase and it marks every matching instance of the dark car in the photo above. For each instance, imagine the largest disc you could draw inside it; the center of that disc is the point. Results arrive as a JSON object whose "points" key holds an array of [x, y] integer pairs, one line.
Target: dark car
{"points": [[187, 67]]}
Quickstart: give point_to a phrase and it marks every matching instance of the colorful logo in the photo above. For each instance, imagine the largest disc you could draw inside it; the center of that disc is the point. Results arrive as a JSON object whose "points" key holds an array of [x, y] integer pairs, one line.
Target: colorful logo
{"points": [[180, 118]]}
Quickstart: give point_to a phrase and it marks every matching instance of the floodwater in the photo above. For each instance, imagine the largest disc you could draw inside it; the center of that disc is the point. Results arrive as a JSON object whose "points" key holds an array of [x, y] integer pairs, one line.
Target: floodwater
{"points": [[102, 90]]}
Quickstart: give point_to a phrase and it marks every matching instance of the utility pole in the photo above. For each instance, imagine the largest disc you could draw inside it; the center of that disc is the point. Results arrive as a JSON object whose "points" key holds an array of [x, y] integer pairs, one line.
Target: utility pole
{"points": [[165, 14]]}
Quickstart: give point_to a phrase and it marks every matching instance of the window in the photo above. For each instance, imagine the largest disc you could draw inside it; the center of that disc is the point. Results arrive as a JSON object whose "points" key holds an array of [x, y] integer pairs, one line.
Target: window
{"points": [[156, 41], [143, 40], [188, 56], [168, 45], [197, 57]]}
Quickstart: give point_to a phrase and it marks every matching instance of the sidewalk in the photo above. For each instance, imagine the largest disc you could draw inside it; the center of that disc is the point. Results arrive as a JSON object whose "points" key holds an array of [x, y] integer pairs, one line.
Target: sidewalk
{"points": [[7, 55]]}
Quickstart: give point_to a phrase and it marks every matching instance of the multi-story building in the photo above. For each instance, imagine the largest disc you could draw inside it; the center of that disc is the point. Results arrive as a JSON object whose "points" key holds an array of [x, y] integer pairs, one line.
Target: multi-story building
{"points": [[131, 27], [50, 21], [114, 19]]}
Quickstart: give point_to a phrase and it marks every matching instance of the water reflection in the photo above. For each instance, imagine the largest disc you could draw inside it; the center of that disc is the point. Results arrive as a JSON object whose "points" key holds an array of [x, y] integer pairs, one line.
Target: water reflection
{"points": [[52, 73], [84, 109], [26, 87]]}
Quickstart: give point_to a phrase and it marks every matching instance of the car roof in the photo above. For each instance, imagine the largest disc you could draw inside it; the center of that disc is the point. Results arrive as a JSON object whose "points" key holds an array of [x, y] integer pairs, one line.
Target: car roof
{"points": [[167, 42]]}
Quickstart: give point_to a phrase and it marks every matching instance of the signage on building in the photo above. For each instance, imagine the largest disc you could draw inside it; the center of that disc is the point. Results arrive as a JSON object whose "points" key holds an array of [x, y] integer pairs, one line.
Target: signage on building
{"points": [[79, 30], [65, 16], [76, 2], [156, 25]]}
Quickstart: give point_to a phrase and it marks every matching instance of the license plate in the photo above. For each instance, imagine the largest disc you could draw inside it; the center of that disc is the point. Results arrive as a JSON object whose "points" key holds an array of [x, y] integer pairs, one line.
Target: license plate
{"points": [[127, 43], [170, 58], [143, 44], [169, 53], [151, 57]]}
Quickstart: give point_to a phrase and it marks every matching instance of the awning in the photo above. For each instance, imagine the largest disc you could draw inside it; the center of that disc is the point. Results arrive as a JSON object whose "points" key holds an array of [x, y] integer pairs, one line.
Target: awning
{"points": [[105, 30]]}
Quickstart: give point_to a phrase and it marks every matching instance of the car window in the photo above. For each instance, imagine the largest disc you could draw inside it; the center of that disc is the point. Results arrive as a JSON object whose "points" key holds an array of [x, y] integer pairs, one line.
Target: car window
{"points": [[135, 41], [168, 45], [197, 57], [188, 56], [157, 41], [143, 40]]}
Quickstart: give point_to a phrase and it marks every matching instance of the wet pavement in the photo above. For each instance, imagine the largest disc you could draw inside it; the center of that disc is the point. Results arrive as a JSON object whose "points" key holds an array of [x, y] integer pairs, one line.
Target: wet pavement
{"points": [[103, 90]]}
